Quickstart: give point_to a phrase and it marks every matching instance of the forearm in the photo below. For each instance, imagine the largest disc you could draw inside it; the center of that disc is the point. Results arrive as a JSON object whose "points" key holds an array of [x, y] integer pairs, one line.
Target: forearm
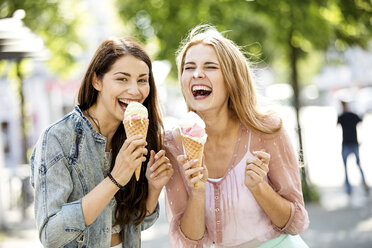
{"points": [[276, 207], [193, 219], [152, 200], [97, 199]]}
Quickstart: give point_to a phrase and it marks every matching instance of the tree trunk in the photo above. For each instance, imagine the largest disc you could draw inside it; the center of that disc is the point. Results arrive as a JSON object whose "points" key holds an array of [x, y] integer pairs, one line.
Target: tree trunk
{"points": [[310, 193], [22, 108], [296, 93]]}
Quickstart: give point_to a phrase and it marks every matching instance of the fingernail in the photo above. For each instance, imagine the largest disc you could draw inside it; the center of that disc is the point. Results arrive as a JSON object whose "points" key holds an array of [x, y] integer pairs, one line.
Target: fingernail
{"points": [[152, 175], [195, 160]]}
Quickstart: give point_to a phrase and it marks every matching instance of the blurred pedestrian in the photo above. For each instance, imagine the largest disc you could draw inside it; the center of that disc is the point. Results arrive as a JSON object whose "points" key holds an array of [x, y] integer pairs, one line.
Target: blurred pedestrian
{"points": [[86, 194], [249, 190], [349, 121]]}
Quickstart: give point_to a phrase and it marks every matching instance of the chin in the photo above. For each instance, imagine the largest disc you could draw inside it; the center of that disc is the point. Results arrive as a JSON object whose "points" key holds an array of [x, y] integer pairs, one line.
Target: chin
{"points": [[199, 108]]}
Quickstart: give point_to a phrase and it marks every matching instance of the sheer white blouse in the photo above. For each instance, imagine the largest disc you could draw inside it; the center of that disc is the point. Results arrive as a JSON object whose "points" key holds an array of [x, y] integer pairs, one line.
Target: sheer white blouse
{"points": [[233, 217]]}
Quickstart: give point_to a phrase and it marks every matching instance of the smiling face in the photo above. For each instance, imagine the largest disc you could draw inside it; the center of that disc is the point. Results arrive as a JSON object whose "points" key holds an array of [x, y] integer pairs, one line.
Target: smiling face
{"points": [[126, 81], [202, 81]]}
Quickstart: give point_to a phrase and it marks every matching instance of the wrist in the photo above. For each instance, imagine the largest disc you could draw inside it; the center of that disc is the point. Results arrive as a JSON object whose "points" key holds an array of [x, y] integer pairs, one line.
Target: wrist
{"points": [[198, 195], [113, 180], [154, 191], [257, 189]]}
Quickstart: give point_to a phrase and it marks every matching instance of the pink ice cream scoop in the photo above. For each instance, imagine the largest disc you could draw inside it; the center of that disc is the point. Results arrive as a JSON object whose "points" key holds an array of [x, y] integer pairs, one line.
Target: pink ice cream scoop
{"points": [[192, 126], [195, 131]]}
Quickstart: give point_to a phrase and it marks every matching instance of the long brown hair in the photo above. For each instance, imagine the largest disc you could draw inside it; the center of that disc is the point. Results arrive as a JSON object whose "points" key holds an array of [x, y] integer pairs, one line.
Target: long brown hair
{"points": [[237, 75], [131, 202]]}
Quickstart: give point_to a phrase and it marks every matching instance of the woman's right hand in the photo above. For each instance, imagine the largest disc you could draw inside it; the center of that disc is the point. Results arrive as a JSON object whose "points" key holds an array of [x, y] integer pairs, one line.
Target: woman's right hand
{"points": [[191, 175], [131, 154]]}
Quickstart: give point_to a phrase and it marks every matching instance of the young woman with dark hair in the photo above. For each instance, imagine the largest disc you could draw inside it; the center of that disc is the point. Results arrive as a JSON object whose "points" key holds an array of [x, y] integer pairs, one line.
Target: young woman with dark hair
{"points": [[86, 194]]}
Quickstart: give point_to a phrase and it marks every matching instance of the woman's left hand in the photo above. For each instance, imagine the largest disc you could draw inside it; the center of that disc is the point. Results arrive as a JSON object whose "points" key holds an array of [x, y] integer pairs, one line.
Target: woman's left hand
{"points": [[159, 170], [256, 169]]}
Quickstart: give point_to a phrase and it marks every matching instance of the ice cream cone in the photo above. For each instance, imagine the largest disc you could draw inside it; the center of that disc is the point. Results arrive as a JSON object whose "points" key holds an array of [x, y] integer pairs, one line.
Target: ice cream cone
{"points": [[134, 127], [194, 150]]}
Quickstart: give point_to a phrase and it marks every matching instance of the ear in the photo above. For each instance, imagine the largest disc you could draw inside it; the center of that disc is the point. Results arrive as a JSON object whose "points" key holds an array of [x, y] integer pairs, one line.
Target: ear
{"points": [[96, 82]]}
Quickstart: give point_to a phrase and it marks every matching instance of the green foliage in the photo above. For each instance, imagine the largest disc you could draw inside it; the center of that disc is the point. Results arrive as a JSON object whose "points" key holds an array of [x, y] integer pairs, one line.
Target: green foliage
{"points": [[310, 193], [57, 23], [170, 22], [265, 28]]}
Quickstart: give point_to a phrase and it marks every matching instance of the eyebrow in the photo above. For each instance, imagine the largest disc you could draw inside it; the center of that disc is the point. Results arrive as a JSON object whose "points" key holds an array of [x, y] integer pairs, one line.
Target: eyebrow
{"points": [[206, 63], [128, 75]]}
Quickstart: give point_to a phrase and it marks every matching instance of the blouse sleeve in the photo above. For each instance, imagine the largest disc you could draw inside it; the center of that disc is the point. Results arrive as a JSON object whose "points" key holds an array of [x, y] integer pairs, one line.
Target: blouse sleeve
{"points": [[58, 221], [176, 197], [285, 179]]}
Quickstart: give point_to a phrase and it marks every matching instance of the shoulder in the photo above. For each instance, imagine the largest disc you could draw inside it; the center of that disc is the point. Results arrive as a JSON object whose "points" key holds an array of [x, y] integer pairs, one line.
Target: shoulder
{"points": [[63, 128], [172, 136], [58, 136], [172, 140], [272, 121], [168, 137], [357, 117]]}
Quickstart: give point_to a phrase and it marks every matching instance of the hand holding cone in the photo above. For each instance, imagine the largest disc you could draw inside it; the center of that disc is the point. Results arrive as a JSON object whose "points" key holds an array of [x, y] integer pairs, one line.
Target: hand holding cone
{"points": [[136, 122], [193, 138]]}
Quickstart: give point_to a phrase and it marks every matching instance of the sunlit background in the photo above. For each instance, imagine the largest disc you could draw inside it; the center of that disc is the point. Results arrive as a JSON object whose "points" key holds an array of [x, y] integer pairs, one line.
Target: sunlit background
{"points": [[306, 55]]}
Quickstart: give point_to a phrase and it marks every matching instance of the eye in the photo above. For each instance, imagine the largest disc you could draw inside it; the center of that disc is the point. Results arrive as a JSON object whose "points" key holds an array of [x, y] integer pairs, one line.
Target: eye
{"points": [[189, 68], [212, 67], [143, 81], [123, 79]]}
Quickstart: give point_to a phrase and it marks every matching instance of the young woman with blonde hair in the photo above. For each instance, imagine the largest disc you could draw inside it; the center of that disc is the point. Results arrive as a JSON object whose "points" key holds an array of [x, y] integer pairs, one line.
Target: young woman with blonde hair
{"points": [[249, 192]]}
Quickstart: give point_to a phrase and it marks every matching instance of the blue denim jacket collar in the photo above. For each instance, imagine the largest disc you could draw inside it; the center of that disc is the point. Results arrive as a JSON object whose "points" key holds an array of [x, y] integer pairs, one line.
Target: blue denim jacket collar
{"points": [[99, 137]]}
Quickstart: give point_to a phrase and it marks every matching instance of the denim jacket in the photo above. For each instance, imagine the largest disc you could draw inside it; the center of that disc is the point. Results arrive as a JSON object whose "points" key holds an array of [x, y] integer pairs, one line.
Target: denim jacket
{"points": [[65, 166]]}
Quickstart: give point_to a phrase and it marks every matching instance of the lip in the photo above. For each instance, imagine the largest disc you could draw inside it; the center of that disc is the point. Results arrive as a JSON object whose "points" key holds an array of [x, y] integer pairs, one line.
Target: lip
{"points": [[200, 97]]}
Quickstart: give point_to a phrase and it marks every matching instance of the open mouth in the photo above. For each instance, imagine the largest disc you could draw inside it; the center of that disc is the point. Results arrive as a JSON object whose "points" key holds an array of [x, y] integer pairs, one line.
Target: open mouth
{"points": [[201, 91], [123, 103]]}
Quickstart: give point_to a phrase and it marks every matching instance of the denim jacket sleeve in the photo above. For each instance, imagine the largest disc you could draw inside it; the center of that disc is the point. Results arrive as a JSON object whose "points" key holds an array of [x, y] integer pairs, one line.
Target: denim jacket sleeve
{"points": [[58, 221], [132, 234], [151, 219]]}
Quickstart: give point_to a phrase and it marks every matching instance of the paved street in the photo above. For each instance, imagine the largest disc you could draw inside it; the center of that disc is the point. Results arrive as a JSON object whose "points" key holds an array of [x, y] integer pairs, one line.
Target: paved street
{"points": [[338, 222]]}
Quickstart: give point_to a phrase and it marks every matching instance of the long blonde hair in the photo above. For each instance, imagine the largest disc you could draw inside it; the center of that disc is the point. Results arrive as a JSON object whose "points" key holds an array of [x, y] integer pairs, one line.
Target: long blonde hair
{"points": [[242, 101]]}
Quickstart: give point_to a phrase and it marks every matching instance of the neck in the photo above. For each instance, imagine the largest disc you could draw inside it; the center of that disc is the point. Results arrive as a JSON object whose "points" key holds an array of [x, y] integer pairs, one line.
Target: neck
{"points": [[220, 124], [102, 124]]}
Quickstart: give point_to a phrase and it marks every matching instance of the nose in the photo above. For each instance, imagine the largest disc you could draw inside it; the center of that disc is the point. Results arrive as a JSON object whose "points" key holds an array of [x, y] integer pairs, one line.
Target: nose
{"points": [[198, 73], [133, 88]]}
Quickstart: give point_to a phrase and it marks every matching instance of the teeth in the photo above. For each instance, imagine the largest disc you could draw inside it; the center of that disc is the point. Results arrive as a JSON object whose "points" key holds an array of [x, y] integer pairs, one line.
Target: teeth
{"points": [[200, 87], [125, 101]]}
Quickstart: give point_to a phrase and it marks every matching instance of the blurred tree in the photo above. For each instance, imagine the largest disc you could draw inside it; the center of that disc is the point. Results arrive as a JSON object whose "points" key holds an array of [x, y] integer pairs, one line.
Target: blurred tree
{"points": [[282, 30], [57, 23], [170, 21], [301, 27]]}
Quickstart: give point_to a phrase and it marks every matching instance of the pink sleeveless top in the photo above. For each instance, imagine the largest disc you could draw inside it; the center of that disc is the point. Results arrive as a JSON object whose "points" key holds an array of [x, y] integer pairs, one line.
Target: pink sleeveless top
{"points": [[233, 217]]}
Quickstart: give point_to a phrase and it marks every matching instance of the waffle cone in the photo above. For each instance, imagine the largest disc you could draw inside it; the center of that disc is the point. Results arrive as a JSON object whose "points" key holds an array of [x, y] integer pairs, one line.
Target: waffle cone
{"points": [[135, 127], [194, 150]]}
